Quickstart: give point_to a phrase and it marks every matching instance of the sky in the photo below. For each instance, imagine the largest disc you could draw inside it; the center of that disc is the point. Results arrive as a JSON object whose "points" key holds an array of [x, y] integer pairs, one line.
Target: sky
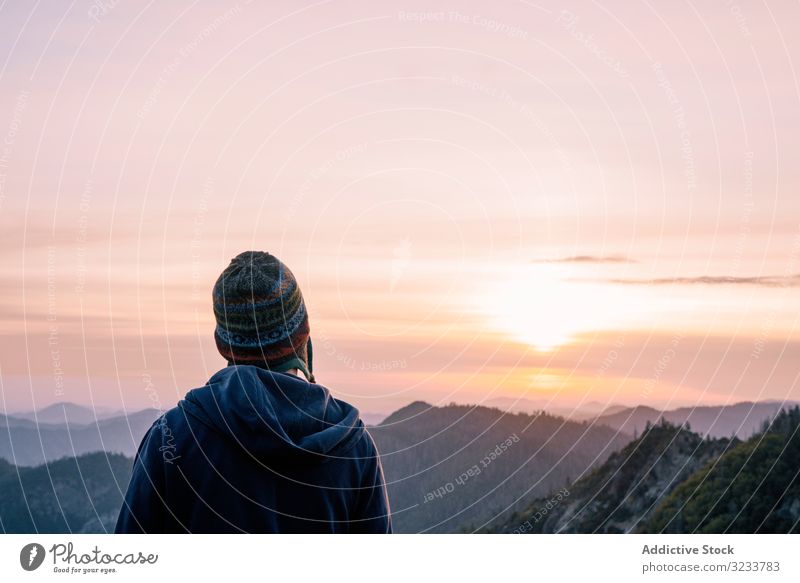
{"points": [[567, 203]]}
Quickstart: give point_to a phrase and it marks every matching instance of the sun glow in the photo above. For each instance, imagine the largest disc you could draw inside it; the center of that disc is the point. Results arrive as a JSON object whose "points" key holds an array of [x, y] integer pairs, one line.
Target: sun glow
{"points": [[545, 307]]}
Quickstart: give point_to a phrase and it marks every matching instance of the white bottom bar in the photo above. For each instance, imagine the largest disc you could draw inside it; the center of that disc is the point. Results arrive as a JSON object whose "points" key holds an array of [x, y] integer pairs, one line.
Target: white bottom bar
{"points": [[485, 558]]}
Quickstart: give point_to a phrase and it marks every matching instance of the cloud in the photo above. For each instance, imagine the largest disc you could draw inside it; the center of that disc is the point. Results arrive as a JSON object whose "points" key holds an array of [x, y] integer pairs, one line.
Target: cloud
{"points": [[760, 280], [587, 259]]}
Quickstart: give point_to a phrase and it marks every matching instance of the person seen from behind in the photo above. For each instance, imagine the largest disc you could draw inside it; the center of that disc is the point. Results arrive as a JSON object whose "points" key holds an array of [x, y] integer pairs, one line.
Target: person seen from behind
{"points": [[261, 448]]}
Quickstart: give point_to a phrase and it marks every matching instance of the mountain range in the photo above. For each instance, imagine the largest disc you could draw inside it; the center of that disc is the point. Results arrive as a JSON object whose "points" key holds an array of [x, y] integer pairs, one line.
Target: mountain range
{"points": [[464, 468], [671, 479], [753, 487], [451, 468], [578, 412], [67, 429], [621, 493], [68, 413], [741, 420], [76, 495], [23, 442]]}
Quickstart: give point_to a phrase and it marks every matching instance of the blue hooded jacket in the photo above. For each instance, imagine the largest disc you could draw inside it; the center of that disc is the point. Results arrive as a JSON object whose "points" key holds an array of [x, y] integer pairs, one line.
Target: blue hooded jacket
{"points": [[257, 451]]}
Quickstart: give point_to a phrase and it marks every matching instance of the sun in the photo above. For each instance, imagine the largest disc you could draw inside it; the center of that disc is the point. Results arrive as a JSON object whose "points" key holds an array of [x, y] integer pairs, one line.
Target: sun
{"points": [[545, 306]]}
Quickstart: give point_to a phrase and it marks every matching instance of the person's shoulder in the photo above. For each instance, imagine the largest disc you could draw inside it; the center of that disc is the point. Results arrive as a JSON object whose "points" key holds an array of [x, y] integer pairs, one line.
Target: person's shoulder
{"points": [[168, 421], [366, 444], [164, 436]]}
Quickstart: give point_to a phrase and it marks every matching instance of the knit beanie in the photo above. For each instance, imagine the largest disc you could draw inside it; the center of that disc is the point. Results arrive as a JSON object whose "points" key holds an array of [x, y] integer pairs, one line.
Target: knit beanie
{"points": [[261, 316]]}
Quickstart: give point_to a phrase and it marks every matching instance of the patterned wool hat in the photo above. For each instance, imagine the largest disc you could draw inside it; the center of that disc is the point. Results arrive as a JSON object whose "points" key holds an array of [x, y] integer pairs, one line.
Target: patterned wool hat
{"points": [[261, 316]]}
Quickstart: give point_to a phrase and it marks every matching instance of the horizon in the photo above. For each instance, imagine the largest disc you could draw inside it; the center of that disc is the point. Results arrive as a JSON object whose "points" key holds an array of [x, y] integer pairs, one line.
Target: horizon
{"points": [[582, 414], [608, 218]]}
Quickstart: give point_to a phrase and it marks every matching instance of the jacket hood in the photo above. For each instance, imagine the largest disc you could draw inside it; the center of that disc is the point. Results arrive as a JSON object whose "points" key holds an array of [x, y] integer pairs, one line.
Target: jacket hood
{"points": [[274, 416]]}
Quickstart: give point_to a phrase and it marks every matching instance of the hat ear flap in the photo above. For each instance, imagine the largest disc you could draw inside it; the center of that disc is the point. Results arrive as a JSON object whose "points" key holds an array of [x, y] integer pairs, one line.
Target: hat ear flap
{"points": [[310, 355]]}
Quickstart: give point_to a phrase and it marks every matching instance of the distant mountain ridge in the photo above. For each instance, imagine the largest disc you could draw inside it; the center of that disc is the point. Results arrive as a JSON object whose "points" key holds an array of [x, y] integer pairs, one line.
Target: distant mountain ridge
{"points": [[753, 487], [578, 412], [740, 419], [673, 480], [67, 413], [451, 468], [24, 443], [462, 468], [624, 491], [71, 495]]}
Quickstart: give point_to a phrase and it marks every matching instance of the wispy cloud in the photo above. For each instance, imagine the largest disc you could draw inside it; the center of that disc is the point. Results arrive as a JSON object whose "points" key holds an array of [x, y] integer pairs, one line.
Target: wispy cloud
{"points": [[587, 259], [761, 280]]}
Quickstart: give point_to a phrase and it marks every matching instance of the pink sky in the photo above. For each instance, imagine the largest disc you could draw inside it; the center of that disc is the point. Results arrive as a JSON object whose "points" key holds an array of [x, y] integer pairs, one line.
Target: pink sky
{"points": [[429, 175]]}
